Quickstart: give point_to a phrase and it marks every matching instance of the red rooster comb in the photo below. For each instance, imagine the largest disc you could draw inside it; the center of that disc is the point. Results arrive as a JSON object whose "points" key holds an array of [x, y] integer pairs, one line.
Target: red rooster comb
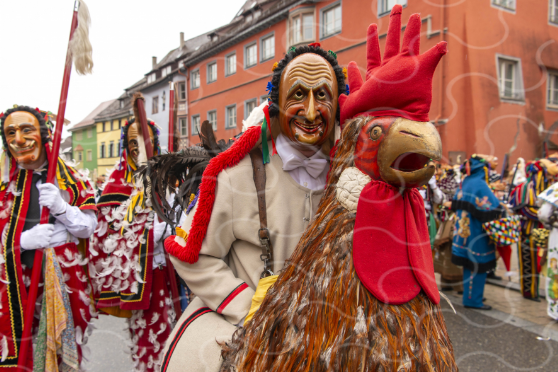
{"points": [[401, 84]]}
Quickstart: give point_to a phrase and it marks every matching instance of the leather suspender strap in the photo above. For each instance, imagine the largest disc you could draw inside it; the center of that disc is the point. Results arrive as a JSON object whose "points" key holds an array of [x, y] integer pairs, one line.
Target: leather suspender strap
{"points": [[263, 233]]}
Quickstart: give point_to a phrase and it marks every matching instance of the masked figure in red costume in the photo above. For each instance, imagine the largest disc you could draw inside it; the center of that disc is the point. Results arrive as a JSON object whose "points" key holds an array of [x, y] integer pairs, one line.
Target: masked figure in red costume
{"points": [[130, 275], [64, 296]]}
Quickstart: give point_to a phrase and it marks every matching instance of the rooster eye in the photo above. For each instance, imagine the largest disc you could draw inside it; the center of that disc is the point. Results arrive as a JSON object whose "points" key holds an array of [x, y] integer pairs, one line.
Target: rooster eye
{"points": [[376, 133]]}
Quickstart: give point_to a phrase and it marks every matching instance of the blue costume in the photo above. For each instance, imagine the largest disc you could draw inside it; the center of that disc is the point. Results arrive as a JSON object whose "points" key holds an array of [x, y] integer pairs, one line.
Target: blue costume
{"points": [[474, 204]]}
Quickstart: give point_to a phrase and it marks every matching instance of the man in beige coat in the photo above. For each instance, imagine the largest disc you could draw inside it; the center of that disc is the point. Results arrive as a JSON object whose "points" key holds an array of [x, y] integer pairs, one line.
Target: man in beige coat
{"points": [[224, 274]]}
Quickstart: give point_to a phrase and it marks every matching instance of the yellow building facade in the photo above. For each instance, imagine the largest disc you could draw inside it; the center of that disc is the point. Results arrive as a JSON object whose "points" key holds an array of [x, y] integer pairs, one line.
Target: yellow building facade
{"points": [[108, 144]]}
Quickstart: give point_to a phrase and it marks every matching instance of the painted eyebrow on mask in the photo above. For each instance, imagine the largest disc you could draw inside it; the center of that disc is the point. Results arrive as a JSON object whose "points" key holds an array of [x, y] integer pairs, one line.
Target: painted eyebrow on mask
{"points": [[300, 83], [19, 125]]}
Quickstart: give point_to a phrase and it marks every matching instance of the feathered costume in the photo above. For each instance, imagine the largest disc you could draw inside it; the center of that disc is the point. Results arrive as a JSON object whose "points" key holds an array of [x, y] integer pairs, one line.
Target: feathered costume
{"points": [[180, 174], [124, 280], [359, 292], [66, 306], [523, 200]]}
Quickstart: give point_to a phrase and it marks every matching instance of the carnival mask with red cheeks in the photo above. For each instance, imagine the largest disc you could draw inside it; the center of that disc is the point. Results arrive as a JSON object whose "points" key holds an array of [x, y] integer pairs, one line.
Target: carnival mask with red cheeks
{"points": [[133, 143], [308, 101], [23, 135]]}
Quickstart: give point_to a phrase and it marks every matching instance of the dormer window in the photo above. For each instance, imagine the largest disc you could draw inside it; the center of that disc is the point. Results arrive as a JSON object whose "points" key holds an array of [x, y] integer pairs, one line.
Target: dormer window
{"points": [[151, 78], [166, 71]]}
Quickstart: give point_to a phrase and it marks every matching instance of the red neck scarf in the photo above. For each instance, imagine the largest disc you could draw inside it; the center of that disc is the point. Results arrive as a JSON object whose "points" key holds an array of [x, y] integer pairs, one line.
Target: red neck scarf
{"points": [[391, 246]]}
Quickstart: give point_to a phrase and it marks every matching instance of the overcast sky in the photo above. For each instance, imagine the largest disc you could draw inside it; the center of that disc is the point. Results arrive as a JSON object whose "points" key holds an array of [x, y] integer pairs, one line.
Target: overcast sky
{"points": [[125, 34]]}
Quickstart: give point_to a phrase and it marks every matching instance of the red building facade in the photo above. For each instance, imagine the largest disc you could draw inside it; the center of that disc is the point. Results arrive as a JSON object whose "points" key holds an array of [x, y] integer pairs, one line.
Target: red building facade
{"points": [[501, 69]]}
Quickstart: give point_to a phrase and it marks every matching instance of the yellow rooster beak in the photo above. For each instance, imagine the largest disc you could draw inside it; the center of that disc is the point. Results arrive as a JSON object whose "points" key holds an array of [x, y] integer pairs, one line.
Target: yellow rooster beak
{"points": [[406, 156]]}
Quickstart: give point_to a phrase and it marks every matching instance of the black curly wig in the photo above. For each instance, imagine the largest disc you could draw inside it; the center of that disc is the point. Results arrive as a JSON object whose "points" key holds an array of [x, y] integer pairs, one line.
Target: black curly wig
{"points": [[276, 78], [151, 124], [42, 123]]}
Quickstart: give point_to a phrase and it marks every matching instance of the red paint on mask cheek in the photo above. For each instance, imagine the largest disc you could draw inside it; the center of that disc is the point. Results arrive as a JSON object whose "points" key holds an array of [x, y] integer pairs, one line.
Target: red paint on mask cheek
{"points": [[368, 145]]}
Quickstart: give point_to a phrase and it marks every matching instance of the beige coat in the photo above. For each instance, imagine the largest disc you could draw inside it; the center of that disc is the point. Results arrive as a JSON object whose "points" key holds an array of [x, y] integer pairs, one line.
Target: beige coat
{"points": [[229, 265]]}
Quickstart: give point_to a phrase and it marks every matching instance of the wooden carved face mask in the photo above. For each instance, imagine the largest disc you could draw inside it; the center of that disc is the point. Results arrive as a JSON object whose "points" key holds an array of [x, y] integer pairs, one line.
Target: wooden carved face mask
{"points": [[308, 100], [23, 135], [133, 144]]}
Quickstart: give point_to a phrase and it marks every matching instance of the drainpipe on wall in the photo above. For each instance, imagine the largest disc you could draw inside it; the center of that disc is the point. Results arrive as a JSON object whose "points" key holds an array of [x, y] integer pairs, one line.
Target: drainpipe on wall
{"points": [[441, 83]]}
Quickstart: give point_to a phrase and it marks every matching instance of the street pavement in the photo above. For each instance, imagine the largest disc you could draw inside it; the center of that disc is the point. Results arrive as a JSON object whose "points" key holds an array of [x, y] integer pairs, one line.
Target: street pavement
{"points": [[109, 345], [495, 341], [515, 336]]}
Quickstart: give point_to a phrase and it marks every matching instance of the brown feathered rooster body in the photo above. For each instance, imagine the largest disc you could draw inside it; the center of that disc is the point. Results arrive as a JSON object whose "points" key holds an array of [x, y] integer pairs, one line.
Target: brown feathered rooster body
{"points": [[359, 294], [319, 317]]}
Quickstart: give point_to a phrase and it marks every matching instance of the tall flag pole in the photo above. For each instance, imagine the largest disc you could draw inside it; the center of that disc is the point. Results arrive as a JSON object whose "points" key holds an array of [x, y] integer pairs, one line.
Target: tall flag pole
{"points": [[79, 51]]}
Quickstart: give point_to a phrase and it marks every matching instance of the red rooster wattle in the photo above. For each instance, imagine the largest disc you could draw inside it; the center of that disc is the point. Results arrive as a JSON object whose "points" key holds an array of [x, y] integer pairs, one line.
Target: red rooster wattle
{"points": [[359, 292]]}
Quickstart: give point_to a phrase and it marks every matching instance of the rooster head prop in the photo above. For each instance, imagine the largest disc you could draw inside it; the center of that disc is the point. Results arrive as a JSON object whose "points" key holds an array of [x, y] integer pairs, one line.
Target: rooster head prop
{"points": [[399, 144], [393, 154]]}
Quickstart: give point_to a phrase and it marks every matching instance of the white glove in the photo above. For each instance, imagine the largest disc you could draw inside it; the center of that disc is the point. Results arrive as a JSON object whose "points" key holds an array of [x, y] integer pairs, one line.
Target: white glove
{"points": [[36, 238], [49, 196], [432, 183], [160, 229]]}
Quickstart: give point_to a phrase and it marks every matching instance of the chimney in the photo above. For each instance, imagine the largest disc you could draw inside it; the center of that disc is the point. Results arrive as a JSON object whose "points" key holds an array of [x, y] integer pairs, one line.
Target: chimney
{"points": [[154, 59], [182, 39]]}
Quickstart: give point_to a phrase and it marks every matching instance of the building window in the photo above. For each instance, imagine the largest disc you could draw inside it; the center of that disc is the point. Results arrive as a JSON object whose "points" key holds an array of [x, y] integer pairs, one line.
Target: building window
{"points": [[166, 71], [230, 118], [180, 64], [164, 100], [331, 20], [211, 72], [181, 91], [183, 125], [553, 11], [552, 92], [151, 78], [155, 105], [230, 64], [111, 149], [212, 118], [268, 47], [104, 126], [102, 150], [121, 104], [89, 132], [119, 124], [80, 156], [195, 125], [89, 155], [195, 79], [249, 106], [302, 28], [506, 4], [79, 135], [510, 82], [384, 6], [250, 55], [263, 99]]}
